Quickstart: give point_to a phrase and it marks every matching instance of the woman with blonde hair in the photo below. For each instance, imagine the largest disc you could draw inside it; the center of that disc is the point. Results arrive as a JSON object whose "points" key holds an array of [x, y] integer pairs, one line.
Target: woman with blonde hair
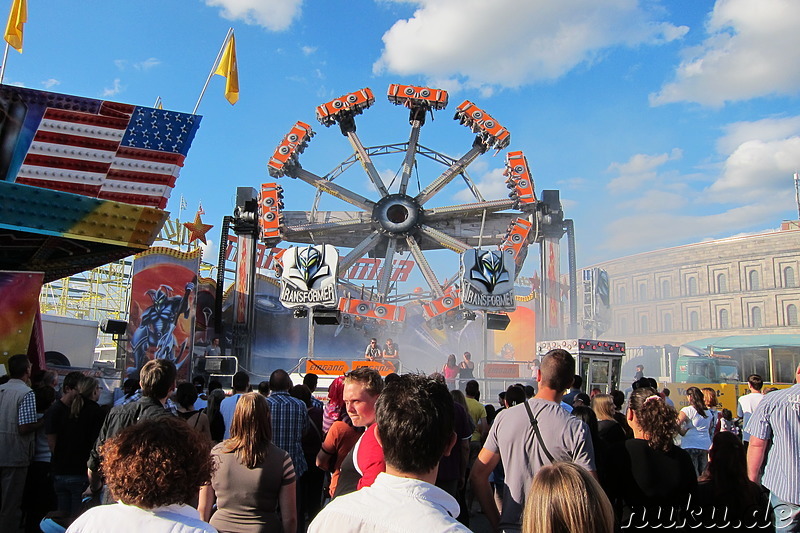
{"points": [[253, 479], [608, 428], [71, 433], [565, 498]]}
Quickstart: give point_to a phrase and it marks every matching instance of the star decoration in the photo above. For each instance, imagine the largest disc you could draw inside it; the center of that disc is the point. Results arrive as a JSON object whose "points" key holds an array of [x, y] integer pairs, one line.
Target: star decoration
{"points": [[197, 229]]}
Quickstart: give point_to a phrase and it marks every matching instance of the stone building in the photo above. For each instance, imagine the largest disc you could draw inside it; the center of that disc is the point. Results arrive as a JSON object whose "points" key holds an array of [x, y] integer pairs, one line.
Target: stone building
{"points": [[745, 285]]}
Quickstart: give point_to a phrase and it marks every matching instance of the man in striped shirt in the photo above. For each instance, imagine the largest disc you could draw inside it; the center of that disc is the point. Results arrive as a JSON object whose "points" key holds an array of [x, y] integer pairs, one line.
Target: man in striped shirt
{"points": [[289, 422], [777, 418]]}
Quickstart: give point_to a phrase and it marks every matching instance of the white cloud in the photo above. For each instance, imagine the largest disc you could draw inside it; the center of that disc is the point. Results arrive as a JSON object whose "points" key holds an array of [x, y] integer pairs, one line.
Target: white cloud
{"points": [[753, 186], [511, 43], [210, 251], [758, 170], [115, 89], [147, 64], [766, 130], [639, 170], [655, 230], [50, 83], [568, 205], [308, 50], [573, 183], [761, 158], [752, 49], [275, 15], [656, 201], [491, 184]]}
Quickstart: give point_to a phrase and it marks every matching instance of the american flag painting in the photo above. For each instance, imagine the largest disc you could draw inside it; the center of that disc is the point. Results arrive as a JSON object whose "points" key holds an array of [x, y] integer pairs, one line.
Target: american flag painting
{"points": [[96, 148]]}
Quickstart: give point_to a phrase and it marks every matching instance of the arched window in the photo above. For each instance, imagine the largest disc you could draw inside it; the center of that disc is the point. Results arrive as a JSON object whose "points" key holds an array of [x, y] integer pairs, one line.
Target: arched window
{"points": [[665, 292], [694, 321], [755, 283], [755, 317], [791, 315], [788, 278], [724, 323], [691, 286], [722, 283], [643, 324], [642, 292], [668, 323], [621, 295]]}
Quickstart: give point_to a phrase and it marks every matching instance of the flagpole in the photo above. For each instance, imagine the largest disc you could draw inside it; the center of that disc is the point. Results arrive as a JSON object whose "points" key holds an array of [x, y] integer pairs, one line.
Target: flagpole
{"points": [[213, 68], [3, 66]]}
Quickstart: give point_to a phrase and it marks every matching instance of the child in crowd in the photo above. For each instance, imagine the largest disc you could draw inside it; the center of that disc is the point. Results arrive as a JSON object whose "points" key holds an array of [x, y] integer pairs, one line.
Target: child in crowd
{"points": [[726, 422]]}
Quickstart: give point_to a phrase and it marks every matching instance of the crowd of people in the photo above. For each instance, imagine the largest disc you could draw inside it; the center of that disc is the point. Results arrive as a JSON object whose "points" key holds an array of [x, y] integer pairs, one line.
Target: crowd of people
{"points": [[395, 453]]}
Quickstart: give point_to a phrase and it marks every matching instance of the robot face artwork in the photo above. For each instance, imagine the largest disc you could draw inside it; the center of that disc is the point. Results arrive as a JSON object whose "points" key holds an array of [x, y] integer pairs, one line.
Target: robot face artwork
{"points": [[487, 281], [309, 266], [161, 296], [309, 276], [489, 270]]}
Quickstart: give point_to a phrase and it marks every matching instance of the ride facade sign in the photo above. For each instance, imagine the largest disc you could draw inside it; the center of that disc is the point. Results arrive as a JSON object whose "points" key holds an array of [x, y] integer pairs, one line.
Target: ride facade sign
{"points": [[309, 276], [487, 280]]}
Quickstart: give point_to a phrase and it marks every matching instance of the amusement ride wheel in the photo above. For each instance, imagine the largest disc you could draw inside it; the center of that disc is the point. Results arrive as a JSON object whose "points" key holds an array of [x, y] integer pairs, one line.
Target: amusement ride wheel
{"points": [[400, 221]]}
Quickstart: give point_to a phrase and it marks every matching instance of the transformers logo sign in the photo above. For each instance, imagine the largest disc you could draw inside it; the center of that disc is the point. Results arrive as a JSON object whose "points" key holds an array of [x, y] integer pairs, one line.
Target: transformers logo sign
{"points": [[487, 281], [309, 276]]}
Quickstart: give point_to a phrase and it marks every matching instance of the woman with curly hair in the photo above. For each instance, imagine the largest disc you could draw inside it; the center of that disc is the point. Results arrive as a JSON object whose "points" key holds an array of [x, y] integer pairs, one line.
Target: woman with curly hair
{"points": [[152, 468], [565, 498], [696, 425], [652, 479], [254, 478]]}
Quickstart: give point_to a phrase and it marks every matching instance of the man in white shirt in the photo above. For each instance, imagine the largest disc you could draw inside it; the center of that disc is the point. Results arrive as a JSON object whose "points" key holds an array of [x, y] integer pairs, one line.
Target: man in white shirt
{"points": [[415, 425], [747, 404]]}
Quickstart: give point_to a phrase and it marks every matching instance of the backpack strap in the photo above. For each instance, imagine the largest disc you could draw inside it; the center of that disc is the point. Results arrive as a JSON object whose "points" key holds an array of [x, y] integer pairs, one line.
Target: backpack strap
{"points": [[537, 431]]}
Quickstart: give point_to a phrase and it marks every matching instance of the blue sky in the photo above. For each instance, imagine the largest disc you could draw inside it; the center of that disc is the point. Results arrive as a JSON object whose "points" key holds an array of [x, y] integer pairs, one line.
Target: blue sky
{"points": [[661, 122]]}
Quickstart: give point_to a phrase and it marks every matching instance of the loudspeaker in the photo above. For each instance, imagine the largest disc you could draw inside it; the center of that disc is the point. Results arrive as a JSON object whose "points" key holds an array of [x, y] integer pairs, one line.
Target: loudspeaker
{"points": [[497, 321], [330, 317], [115, 327]]}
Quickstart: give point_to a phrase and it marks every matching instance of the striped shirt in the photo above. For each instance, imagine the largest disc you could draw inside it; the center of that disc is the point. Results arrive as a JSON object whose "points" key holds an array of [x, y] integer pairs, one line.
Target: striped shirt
{"points": [[777, 418], [27, 409], [289, 422]]}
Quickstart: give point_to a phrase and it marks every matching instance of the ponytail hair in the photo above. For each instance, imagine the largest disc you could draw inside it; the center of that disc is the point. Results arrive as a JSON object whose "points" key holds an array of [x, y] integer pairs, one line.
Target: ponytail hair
{"points": [[657, 419], [85, 387]]}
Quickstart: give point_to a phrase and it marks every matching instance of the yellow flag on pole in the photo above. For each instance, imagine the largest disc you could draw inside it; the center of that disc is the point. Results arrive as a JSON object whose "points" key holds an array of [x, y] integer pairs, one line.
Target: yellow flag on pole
{"points": [[16, 20], [228, 69]]}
